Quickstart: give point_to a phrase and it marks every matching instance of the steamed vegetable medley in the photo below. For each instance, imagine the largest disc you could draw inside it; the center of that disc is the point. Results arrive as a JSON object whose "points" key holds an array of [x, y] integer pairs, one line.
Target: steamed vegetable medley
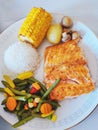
{"points": [[27, 98]]}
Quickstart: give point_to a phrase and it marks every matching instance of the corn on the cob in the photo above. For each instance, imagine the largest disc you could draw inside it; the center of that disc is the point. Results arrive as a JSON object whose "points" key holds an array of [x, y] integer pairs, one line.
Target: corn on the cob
{"points": [[35, 26]]}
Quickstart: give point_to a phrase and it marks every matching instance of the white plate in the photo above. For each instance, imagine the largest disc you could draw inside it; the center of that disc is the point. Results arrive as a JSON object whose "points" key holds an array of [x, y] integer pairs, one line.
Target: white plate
{"points": [[72, 111]]}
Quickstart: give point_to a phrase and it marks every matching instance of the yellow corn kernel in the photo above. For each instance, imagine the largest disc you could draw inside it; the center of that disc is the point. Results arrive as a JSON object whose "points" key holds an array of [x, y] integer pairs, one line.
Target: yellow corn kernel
{"points": [[36, 85], [8, 91], [25, 75], [48, 114], [30, 105], [37, 100], [9, 81], [54, 118], [35, 26]]}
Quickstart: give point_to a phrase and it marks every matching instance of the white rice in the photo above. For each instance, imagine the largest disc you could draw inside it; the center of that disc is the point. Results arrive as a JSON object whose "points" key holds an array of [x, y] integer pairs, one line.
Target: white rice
{"points": [[20, 57]]}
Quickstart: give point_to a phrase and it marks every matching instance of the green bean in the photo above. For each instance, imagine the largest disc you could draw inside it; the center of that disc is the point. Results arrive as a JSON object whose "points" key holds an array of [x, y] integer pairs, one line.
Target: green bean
{"points": [[54, 103], [4, 101], [2, 90], [20, 98], [18, 106], [5, 84], [29, 81], [21, 122], [22, 84], [49, 117], [33, 111], [50, 89], [7, 110], [25, 114], [18, 92], [35, 96], [19, 118], [21, 111], [35, 80], [42, 92], [47, 93], [38, 106], [21, 88], [15, 112], [17, 81]]}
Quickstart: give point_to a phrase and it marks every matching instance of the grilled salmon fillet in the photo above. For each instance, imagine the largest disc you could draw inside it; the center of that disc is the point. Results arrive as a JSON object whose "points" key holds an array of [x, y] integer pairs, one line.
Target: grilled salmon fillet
{"points": [[64, 53], [67, 62]]}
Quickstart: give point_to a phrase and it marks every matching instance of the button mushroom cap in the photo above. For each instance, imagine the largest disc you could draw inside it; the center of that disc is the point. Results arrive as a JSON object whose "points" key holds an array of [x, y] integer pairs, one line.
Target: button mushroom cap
{"points": [[75, 35], [67, 30], [65, 37], [66, 22]]}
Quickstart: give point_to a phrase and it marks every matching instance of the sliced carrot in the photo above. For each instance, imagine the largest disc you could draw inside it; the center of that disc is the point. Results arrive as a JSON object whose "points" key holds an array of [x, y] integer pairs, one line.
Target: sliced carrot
{"points": [[45, 108], [11, 103]]}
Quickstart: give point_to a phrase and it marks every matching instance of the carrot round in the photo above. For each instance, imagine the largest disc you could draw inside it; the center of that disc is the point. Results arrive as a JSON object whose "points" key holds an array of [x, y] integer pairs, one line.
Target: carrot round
{"points": [[45, 108], [11, 103]]}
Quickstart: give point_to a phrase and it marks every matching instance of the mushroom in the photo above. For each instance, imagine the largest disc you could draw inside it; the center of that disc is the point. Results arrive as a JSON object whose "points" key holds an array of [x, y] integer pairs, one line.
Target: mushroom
{"points": [[65, 37], [67, 30], [75, 35], [66, 22]]}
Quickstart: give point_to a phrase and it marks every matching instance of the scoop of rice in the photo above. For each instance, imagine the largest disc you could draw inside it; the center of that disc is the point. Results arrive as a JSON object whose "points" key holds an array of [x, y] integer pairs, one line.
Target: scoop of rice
{"points": [[20, 57]]}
